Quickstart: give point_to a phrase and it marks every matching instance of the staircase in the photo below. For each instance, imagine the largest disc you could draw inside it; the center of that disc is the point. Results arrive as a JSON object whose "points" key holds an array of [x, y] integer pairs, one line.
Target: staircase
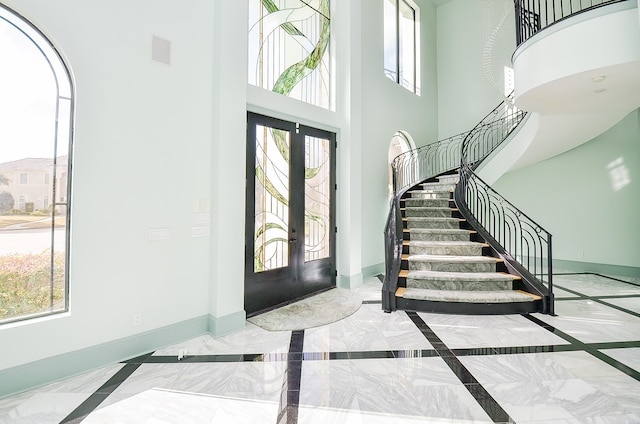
{"points": [[480, 253], [446, 267]]}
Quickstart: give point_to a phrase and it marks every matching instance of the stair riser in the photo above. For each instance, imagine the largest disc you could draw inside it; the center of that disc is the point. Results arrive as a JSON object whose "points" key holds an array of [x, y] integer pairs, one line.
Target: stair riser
{"points": [[434, 195], [433, 223], [459, 285], [438, 237], [428, 212], [446, 250], [451, 267], [452, 180], [438, 186], [427, 203]]}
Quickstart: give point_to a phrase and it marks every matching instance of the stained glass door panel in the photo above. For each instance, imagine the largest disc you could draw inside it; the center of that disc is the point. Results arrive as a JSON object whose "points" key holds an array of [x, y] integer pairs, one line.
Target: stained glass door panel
{"points": [[271, 217], [317, 198], [290, 218]]}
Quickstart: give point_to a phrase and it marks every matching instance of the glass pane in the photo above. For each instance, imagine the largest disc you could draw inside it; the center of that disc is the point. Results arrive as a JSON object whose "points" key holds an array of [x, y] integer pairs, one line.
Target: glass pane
{"points": [[289, 48], [407, 46], [390, 41], [271, 199], [32, 213], [317, 198]]}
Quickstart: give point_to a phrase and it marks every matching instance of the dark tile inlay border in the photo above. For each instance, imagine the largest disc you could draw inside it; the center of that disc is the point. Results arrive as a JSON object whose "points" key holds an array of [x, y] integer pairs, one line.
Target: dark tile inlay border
{"points": [[173, 359], [598, 275], [591, 348], [479, 393], [601, 299], [290, 394], [93, 401]]}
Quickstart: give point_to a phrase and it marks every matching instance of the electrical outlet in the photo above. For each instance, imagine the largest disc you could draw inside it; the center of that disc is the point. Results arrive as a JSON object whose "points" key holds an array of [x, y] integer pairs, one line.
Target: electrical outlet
{"points": [[182, 353], [581, 255], [137, 319]]}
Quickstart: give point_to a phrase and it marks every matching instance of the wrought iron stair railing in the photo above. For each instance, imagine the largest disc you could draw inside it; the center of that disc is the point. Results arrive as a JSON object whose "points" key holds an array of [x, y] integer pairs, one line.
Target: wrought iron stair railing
{"points": [[533, 16], [429, 161], [409, 169], [525, 246]]}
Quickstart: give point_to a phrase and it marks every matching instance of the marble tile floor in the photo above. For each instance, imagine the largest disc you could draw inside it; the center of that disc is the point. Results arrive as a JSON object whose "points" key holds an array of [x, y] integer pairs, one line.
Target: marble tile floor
{"points": [[580, 366]]}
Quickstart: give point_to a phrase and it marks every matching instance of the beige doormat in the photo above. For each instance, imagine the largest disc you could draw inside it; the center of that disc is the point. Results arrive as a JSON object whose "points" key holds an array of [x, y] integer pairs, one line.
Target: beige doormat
{"points": [[321, 309]]}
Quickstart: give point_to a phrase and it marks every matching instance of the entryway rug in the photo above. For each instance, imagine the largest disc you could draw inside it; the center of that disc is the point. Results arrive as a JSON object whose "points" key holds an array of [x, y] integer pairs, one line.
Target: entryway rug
{"points": [[321, 309]]}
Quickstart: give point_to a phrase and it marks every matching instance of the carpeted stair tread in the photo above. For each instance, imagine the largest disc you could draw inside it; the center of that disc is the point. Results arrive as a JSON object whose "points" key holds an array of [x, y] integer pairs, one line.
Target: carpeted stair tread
{"points": [[428, 211], [465, 276], [453, 258], [432, 222], [449, 179], [417, 202], [448, 187], [440, 189], [433, 234], [429, 194], [439, 280], [445, 243], [448, 248], [431, 219], [452, 263], [493, 296], [430, 208]]}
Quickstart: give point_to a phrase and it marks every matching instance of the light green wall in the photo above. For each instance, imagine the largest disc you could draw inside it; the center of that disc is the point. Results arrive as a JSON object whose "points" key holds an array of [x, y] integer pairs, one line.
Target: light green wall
{"points": [[228, 160], [386, 109], [142, 160], [159, 145], [573, 197], [465, 95]]}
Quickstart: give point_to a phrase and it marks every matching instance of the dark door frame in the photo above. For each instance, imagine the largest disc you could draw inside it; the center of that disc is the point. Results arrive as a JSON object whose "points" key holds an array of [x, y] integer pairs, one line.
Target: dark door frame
{"points": [[269, 289]]}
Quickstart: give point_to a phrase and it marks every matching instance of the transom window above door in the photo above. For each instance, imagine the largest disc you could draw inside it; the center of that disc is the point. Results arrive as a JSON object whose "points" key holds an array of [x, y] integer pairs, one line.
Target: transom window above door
{"points": [[289, 49]]}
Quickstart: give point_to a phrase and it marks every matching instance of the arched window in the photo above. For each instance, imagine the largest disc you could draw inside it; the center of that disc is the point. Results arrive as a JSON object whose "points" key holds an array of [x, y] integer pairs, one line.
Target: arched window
{"points": [[36, 118], [400, 143]]}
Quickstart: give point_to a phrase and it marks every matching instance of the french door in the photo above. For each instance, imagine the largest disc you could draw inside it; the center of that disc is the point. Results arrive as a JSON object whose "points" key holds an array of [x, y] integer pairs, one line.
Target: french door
{"points": [[290, 212]]}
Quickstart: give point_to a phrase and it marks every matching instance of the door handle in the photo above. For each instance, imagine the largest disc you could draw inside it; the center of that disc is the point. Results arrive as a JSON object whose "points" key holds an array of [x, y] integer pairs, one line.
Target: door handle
{"points": [[292, 239]]}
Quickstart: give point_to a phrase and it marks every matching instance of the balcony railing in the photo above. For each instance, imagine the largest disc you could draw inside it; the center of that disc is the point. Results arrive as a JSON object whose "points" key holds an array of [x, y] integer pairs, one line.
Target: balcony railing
{"points": [[535, 15]]}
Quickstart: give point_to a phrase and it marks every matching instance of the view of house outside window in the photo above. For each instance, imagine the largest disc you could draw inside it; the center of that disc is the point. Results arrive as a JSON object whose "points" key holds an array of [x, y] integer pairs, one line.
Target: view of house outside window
{"points": [[35, 122]]}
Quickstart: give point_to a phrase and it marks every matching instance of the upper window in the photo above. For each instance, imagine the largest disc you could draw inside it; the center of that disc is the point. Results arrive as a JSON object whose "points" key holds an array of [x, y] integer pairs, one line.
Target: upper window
{"points": [[289, 49], [35, 125], [401, 43]]}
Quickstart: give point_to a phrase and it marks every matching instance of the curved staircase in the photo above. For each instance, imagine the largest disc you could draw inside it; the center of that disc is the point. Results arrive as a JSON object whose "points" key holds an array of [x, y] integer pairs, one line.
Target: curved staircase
{"points": [[444, 264], [480, 253]]}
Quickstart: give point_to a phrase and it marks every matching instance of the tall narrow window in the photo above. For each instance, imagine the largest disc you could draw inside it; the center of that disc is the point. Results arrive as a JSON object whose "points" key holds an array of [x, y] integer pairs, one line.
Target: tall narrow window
{"points": [[35, 125], [289, 48], [401, 43]]}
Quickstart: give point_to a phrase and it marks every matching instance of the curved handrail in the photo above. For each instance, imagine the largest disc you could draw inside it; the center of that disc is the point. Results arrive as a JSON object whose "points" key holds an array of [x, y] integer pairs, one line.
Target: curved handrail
{"points": [[429, 161], [533, 16], [523, 244], [410, 168]]}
